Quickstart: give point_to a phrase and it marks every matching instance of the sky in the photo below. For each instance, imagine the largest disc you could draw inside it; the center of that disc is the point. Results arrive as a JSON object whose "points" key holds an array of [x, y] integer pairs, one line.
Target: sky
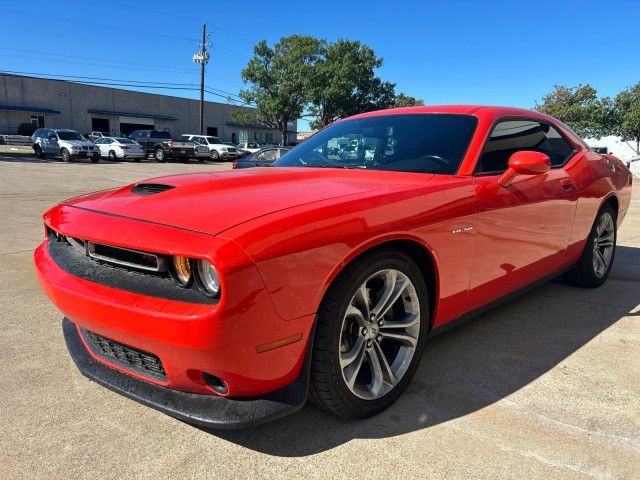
{"points": [[470, 52]]}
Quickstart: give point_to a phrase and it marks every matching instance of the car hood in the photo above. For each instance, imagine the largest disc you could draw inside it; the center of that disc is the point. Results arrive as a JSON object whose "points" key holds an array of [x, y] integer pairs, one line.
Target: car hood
{"points": [[214, 202]]}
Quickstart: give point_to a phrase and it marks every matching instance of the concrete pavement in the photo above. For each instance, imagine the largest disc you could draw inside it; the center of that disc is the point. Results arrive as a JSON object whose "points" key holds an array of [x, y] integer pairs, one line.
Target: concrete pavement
{"points": [[545, 387]]}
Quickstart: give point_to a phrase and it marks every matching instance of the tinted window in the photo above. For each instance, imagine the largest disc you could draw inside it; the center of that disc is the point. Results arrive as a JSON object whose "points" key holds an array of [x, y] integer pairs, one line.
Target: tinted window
{"points": [[511, 136], [99, 141], [427, 143], [158, 134]]}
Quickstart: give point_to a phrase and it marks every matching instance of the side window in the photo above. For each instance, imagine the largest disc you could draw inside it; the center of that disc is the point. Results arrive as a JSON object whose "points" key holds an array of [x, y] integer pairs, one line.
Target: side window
{"points": [[99, 141], [511, 136], [260, 157], [270, 155]]}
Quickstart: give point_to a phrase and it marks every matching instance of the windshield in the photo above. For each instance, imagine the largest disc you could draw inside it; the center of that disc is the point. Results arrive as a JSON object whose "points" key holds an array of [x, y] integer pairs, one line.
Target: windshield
{"points": [[421, 143], [69, 135]]}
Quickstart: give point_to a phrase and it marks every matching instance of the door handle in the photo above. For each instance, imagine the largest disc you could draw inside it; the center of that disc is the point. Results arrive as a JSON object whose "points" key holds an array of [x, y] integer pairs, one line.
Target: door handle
{"points": [[567, 184]]}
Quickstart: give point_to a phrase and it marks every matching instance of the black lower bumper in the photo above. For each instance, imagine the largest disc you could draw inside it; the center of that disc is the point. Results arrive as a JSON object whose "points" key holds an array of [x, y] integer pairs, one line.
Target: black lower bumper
{"points": [[209, 411]]}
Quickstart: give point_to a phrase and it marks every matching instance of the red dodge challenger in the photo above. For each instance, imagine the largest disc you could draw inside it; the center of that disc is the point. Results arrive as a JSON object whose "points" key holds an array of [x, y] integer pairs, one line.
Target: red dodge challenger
{"points": [[225, 299]]}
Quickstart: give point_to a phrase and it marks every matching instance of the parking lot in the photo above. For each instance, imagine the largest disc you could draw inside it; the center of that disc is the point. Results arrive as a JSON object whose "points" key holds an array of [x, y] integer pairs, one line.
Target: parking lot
{"points": [[547, 386]]}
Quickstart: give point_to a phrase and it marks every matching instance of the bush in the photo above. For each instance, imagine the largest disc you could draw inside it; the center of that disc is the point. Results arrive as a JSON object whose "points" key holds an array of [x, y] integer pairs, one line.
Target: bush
{"points": [[27, 129]]}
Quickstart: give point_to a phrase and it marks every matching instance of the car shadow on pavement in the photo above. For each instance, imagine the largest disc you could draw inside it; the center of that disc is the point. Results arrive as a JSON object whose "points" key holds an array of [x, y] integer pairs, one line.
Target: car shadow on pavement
{"points": [[472, 366]]}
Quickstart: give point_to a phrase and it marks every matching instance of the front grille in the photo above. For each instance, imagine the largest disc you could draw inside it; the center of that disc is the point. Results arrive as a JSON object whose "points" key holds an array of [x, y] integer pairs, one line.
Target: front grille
{"points": [[127, 258], [129, 358], [85, 148], [231, 149]]}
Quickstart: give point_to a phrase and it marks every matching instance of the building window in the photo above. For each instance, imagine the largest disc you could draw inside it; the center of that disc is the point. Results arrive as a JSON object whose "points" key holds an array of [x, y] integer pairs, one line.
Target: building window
{"points": [[212, 131], [244, 136], [268, 137], [38, 120]]}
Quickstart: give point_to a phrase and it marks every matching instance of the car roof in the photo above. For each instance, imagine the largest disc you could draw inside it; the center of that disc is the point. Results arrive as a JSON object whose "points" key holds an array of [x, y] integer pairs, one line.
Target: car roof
{"points": [[484, 110]]}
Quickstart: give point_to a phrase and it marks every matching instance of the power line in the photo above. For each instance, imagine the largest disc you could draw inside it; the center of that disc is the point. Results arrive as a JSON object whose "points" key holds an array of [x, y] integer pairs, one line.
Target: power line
{"points": [[94, 25], [112, 63], [65, 55], [173, 15], [94, 64], [225, 50]]}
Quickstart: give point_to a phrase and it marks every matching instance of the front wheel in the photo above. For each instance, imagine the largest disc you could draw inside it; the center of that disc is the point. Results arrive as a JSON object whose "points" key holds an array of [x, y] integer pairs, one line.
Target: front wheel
{"points": [[215, 156], [66, 156], [38, 152], [594, 265], [370, 334]]}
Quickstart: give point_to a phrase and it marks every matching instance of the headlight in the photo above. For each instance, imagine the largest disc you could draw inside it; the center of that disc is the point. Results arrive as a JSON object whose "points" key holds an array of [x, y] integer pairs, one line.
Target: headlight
{"points": [[73, 147], [209, 278], [222, 149], [181, 271]]}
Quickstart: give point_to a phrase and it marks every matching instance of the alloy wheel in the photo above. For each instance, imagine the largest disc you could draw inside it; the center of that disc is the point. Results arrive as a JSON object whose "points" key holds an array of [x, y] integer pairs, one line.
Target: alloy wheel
{"points": [[603, 244], [379, 334]]}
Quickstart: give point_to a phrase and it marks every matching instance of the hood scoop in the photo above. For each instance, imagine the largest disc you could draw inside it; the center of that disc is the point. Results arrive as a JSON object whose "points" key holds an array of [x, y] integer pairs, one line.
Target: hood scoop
{"points": [[150, 188]]}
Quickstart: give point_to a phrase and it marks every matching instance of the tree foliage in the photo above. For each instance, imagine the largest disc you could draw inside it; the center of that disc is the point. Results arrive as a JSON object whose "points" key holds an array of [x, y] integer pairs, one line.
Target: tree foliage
{"points": [[345, 83], [580, 108], [626, 114], [404, 100], [280, 78], [327, 81]]}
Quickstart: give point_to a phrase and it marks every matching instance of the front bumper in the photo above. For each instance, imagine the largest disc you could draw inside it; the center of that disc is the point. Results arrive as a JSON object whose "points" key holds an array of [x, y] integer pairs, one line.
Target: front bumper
{"points": [[207, 411]]}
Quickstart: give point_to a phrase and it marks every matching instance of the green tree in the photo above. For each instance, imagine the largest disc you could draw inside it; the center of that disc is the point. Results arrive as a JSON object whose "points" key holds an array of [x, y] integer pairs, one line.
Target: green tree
{"points": [[279, 79], [404, 100], [626, 114], [345, 83], [580, 108]]}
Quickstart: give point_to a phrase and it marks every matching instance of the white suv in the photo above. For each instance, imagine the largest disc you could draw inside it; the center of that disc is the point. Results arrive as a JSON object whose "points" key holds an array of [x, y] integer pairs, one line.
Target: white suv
{"points": [[68, 144], [217, 149]]}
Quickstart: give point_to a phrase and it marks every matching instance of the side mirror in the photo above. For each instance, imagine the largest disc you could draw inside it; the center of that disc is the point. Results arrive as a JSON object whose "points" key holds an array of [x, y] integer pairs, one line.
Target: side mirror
{"points": [[525, 162]]}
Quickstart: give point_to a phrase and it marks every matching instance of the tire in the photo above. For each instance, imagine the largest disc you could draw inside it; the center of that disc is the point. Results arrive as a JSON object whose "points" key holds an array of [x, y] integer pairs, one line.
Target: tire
{"points": [[95, 159], [593, 267], [339, 333], [66, 156], [38, 151], [159, 155], [112, 156], [215, 156]]}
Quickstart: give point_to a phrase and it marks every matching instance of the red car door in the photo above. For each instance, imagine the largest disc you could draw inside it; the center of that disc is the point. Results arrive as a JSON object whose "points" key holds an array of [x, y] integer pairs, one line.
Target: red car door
{"points": [[524, 228]]}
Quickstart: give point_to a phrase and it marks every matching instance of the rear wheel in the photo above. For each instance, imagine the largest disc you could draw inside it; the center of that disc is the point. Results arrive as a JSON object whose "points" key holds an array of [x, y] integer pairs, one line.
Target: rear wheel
{"points": [[158, 154], [370, 334], [594, 265], [112, 156], [66, 156]]}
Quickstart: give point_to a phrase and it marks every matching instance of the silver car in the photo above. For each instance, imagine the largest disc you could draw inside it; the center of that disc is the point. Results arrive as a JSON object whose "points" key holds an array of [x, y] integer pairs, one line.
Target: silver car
{"points": [[67, 144]]}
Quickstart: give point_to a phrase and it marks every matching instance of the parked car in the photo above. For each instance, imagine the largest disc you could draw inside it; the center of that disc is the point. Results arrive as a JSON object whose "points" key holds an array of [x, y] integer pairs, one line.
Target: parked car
{"points": [[217, 149], [321, 276], [64, 143], [93, 136], [262, 158], [120, 147], [249, 147], [163, 147]]}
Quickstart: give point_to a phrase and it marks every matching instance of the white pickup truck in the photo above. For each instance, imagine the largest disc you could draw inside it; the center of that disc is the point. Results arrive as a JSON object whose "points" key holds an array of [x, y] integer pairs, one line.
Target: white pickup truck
{"points": [[217, 149]]}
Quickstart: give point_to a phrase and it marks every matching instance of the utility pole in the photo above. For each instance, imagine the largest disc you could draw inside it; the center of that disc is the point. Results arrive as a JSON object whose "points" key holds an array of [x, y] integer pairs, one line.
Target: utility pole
{"points": [[202, 57]]}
